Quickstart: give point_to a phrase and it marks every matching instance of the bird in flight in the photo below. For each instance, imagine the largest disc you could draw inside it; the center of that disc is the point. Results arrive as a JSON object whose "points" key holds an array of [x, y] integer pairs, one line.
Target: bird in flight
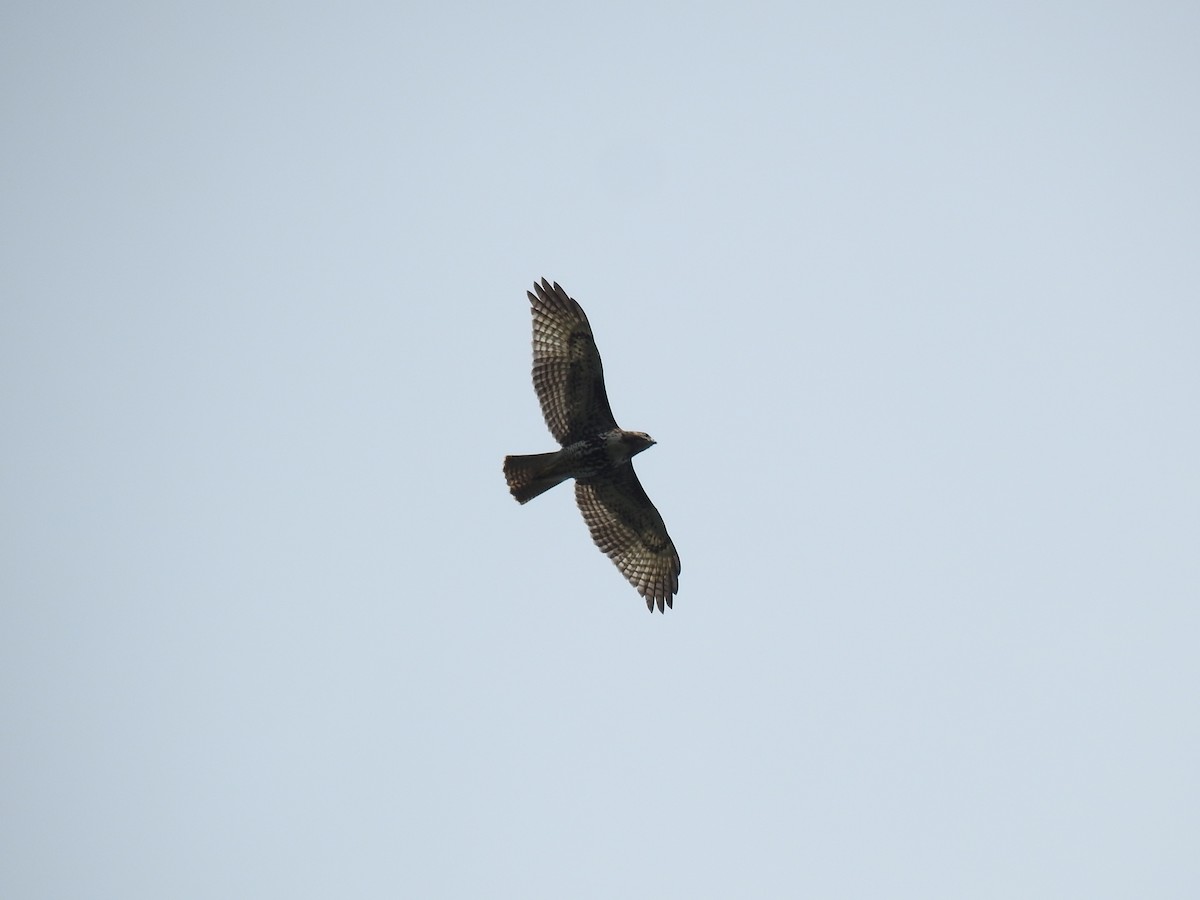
{"points": [[569, 381]]}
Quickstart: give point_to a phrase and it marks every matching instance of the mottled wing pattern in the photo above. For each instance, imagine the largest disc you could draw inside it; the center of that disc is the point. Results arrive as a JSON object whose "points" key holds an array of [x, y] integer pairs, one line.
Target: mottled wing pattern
{"points": [[567, 373], [627, 527]]}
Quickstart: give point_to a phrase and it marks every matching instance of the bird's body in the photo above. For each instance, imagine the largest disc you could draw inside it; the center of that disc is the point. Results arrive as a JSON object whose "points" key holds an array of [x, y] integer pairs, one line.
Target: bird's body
{"points": [[569, 380], [592, 457]]}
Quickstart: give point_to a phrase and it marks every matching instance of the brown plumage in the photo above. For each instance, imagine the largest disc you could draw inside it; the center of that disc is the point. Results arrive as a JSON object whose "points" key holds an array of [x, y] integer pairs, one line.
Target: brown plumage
{"points": [[569, 380]]}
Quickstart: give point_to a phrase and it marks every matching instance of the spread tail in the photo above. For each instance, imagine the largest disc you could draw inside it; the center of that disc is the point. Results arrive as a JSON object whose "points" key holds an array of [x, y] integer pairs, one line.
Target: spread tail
{"points": [[531, 475]]}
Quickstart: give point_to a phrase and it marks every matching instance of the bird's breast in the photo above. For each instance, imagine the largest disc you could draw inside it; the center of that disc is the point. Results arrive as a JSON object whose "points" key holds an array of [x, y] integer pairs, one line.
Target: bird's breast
{"points": [[594, 455]]}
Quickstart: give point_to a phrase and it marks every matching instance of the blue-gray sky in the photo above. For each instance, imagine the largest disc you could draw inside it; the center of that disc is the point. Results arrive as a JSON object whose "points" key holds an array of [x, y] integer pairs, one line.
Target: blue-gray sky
{"points": [[909, 296]]}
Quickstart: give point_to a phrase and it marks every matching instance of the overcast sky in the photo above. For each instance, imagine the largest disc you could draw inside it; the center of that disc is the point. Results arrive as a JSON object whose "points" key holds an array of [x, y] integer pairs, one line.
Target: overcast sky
{"points": [[909, 296]]}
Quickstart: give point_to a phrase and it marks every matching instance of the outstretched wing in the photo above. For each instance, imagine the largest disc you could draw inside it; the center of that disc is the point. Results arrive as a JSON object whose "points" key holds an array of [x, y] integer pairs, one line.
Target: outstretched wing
{"points": [[567, 373], [627, 527]]}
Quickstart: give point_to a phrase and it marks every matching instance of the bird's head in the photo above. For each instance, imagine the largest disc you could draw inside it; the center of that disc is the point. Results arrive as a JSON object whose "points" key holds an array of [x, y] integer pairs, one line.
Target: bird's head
{"points": [[637, 441]]}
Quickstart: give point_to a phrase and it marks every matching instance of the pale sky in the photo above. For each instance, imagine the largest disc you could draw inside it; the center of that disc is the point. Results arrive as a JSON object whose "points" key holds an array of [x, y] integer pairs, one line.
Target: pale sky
{"points": [[909, 296]]}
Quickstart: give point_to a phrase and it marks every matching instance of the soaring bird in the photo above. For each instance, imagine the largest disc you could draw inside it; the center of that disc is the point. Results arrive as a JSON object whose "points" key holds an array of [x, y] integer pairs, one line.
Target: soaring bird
{"points": [[569, 380]]}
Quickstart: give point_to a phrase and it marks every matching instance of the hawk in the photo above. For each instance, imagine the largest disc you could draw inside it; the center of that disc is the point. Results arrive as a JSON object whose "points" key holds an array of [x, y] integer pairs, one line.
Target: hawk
{"points": [[569, 381]]}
